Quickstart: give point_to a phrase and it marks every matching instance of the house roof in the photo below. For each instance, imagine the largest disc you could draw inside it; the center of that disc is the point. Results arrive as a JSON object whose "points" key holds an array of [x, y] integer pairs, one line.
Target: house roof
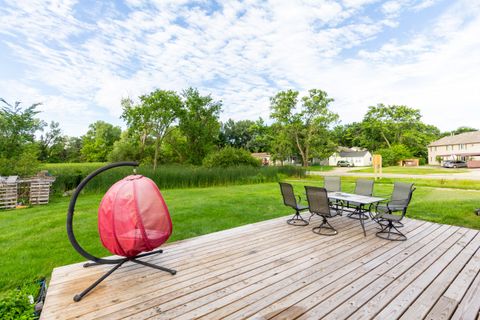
{"points": [[353, 154], [462, 138]]}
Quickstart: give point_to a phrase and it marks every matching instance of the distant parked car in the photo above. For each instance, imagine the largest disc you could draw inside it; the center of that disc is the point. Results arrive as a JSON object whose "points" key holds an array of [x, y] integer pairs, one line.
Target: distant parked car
{"points": [[455, 164], [344, 163]]}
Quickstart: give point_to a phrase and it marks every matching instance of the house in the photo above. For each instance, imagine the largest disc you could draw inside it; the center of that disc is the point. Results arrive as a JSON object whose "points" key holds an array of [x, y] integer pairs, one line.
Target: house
{"points": [[264, 157], [464, 146], [356, 156]]}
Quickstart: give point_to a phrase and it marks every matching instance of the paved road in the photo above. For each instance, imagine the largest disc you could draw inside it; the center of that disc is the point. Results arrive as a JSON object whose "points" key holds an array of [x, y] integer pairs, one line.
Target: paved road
{"points": [[472, 174]]}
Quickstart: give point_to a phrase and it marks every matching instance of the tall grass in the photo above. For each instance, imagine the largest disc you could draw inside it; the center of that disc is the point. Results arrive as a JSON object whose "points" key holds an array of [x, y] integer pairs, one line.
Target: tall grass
{"points": [[171, 176]]}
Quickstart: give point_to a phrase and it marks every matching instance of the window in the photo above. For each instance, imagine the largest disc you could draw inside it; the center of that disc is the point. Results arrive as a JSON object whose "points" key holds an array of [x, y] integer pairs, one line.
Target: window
{"points": [[435, 148]]}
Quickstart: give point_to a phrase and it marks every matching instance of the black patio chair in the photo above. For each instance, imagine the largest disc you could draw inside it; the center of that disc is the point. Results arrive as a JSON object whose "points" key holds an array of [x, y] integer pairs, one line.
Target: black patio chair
{"points": [[318, 203], [332, 184], [386, 217], [363, 187], [290, 200]]}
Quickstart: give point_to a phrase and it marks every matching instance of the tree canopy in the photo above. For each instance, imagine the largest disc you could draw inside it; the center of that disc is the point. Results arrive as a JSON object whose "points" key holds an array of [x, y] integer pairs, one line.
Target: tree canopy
{"points": [[307, 124]]}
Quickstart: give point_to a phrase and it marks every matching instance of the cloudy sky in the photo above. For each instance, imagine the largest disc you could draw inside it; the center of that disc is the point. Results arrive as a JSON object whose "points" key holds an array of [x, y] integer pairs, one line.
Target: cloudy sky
{"points": [[81, 57]]}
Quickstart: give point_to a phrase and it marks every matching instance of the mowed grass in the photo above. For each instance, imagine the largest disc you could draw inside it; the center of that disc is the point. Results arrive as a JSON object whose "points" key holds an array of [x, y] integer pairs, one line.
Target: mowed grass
{"points": [[319, 168], [412, 170], [34, 240]]}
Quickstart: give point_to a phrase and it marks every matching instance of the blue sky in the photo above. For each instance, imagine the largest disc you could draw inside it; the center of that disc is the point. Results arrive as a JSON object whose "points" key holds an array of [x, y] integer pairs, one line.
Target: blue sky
{"points": [[81, 57]]}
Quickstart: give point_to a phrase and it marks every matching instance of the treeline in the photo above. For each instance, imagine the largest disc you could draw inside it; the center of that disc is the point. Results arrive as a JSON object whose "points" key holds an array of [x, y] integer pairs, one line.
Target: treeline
{"points": [[165, 127]]}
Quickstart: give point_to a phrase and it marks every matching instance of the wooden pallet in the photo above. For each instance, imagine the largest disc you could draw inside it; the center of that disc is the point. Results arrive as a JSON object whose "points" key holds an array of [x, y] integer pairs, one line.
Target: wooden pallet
{"points": [[8, 192], [270, 270]]}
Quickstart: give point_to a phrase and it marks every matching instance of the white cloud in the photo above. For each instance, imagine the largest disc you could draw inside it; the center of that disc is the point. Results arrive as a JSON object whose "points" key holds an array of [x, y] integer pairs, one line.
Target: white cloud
{"points": [[243, 54]]}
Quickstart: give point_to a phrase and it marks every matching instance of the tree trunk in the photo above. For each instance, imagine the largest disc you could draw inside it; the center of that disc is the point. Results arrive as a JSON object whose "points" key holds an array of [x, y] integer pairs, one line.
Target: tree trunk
{"points": [[156, 154], [385, 138], [302, 153]]}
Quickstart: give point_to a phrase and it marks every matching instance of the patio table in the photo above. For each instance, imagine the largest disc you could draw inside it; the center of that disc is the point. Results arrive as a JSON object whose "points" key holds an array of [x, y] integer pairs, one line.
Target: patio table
{"points": [[361, 209]]}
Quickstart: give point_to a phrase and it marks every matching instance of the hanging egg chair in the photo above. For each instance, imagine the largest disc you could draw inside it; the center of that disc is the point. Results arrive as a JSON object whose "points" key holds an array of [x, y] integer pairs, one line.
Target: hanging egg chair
{"points": [[133, 220]]}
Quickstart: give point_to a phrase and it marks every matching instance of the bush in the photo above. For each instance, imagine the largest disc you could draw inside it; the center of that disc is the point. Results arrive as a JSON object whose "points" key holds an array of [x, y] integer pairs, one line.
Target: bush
{"points": [[15, 304], [24, 164], [230, 157], [391, 156]]}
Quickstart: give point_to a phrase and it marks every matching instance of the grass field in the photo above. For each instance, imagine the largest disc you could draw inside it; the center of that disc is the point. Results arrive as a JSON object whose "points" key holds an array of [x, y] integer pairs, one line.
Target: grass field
{"points": [[413, 170], [34, 240], [319, 168]]}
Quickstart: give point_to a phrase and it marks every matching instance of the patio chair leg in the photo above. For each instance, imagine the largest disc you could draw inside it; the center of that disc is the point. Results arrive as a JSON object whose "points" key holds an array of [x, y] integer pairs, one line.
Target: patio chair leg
{"points": [[79, 296], [297, 220], [387, 232], [325, 225]]}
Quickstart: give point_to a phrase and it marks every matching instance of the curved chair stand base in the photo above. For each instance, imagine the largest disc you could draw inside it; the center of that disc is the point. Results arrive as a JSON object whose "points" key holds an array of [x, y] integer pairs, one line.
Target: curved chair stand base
{"points": [[297, 220], [357, 215], [390, 232], [79, 296], [325, 226]]}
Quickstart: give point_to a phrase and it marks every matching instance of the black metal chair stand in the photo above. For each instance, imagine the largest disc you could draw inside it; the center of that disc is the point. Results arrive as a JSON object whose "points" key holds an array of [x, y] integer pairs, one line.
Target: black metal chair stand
{"points": [[290, 201], [390, 232], [325, 225], [98, 261]]}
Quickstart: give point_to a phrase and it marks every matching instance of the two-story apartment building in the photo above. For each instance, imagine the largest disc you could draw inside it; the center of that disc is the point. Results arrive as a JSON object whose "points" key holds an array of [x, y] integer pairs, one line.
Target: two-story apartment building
{"points": [[464, 146]]}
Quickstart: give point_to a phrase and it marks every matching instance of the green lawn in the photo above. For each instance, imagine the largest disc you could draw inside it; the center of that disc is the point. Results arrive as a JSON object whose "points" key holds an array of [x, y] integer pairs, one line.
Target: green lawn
{"points": [[319, 168], [34, 240], [412, 170]]}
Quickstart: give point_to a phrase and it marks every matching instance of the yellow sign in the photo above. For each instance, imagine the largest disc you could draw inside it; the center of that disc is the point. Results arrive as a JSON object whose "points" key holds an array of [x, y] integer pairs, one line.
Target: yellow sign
{"points": [[377, 165]]}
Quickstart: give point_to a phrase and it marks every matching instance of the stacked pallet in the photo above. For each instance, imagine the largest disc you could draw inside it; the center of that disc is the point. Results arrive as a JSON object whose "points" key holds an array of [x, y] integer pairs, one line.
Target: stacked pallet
{"points": [[40, 189], [8, 192]]}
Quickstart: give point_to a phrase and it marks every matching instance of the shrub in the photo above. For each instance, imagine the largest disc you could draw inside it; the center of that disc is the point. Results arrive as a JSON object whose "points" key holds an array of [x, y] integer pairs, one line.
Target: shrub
{"points": [[15, 304], [391, 156], [230, 157]]}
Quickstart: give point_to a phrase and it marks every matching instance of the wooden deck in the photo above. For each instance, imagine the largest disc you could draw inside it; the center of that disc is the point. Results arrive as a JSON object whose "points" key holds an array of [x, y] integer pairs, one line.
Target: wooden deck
{"points": [[271, 270]]}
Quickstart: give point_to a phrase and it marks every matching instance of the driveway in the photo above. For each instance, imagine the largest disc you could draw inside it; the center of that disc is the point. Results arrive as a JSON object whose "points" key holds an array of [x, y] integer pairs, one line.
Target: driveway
{"points": [[472, 174]]}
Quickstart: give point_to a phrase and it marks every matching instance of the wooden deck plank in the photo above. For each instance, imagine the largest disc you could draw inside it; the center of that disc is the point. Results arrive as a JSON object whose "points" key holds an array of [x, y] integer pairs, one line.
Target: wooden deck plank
{"points": [[226, 304], [373, 279], [224, 274], [272, 270], [196, 270], [409, 294], [469, 307], [422, 305]]}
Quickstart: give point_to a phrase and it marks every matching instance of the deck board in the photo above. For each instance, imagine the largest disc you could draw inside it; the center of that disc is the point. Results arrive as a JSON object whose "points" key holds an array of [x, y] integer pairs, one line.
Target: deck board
{"points": [[270, 270]]}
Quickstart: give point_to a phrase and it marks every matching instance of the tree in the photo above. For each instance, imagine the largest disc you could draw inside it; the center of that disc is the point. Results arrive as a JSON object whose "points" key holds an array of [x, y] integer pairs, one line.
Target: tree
{"points": [[236, 134], [153, 117], [281, 145], [17, 127], [384, 126], [459, 130], [306, 125], [52, 144], [127, 148], [72, 149], [98, 142], [198, 122]]}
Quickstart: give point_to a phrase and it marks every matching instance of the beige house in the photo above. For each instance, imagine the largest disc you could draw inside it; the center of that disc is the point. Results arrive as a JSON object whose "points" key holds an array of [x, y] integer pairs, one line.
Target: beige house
{"points": [[464, 146]]}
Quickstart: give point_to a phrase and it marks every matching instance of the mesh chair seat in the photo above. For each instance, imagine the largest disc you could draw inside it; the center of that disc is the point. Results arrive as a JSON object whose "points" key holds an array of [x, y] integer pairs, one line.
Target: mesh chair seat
{"points": [[389, 216]]}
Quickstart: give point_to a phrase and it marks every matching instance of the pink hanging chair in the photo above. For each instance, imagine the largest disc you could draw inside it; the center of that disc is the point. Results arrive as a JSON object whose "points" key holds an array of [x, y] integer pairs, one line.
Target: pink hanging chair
{"points": [[132, 218]]}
